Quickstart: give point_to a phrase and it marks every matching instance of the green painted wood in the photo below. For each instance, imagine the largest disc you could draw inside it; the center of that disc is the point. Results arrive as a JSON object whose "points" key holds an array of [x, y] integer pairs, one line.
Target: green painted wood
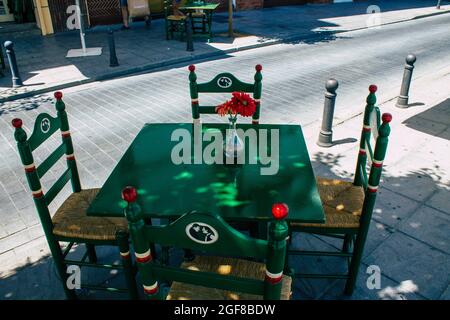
{"points": [[188, 232], [48, 163], [365, 136], [44, 127], [57, 186], [245, 246], [236, 85], [370, 182], [217, 85], [207, 109], [369, 201], [368, 146], [206, 6], [67, 140], [124, 248], [278, 232], [173, 26], [233, 192]]}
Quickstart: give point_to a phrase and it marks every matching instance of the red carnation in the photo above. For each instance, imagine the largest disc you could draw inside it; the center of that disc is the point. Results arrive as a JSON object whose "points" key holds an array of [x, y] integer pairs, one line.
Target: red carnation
{"points": [[240, 103], [226, 108], [244, 104]]}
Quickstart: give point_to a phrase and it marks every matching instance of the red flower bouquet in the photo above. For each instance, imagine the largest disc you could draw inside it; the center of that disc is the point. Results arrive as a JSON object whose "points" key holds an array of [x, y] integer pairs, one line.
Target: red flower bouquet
{"points": [[240, 103]]}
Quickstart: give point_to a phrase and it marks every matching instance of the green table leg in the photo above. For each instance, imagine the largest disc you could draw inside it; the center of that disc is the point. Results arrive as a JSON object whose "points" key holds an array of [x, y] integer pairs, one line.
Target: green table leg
{"points": [[209, 26]]}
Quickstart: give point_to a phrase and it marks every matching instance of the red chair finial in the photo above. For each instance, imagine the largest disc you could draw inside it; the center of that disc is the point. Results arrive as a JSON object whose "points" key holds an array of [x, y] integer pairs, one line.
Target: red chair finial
{"points": [[373, 88], [280, 211], [17, 123], [258, 67], [191, 68], [58, 95], [129, 194], [386, 117]]}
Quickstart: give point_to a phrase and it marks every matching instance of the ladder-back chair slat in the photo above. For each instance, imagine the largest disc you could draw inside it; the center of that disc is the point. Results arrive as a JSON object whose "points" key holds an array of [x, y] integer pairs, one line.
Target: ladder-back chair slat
{"points": [[48, 163], [57, 186]]}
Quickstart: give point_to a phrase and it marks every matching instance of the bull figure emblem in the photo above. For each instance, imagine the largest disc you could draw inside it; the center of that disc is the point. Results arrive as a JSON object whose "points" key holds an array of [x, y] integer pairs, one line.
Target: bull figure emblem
{"points": [[224, 82], [45, 125], [201, 233]]}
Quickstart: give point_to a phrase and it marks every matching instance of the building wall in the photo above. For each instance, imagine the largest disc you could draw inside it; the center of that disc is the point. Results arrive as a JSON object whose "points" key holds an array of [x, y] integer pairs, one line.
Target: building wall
{"points": [[249, 4], [43, 18]]}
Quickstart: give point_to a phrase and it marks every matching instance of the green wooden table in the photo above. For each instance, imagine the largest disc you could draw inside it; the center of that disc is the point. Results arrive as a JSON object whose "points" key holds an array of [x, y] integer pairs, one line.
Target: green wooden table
{"points": [[236, 192], [207, 8]]}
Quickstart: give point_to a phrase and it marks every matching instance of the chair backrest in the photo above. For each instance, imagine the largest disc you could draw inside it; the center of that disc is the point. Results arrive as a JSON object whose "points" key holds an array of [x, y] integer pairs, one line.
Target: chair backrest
{"points": [[372, 151], [44, 127], [223, 82], [208, 233], [169, 6]]}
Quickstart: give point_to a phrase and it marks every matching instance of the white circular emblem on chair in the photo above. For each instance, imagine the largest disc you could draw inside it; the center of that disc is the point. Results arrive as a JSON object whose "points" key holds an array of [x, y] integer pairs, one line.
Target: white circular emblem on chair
{"points": [[201, 233], [45, 125], [224, 82]]}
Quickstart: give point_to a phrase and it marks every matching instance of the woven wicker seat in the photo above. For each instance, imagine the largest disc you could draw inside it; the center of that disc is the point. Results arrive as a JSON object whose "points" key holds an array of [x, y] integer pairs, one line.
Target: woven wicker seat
{"points": [[70, 219], [176, 18], [342, 202], [198, 14], [225, 266]]}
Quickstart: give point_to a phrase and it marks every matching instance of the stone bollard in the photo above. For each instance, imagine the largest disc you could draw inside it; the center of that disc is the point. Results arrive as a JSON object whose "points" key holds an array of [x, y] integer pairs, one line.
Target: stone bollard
{"points": [[189, 40], [113, 62], [402, 101], [16, 80], [326, 132]]}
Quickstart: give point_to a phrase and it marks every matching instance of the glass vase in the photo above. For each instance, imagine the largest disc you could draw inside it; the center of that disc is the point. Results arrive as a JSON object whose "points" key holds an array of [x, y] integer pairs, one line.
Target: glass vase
{"points": [[233, 146]]}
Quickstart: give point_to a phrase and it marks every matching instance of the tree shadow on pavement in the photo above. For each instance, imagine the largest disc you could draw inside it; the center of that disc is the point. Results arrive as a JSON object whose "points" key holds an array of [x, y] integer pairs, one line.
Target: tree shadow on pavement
{"points": [[25, 104], [395, 214], [434, 121]]}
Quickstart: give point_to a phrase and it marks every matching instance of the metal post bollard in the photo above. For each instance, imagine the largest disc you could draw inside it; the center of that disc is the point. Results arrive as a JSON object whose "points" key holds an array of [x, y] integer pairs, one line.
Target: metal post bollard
{"points": [[402, 101], [438, 6], [189, 41], [326, 132], [16, 80], [113, 62]]}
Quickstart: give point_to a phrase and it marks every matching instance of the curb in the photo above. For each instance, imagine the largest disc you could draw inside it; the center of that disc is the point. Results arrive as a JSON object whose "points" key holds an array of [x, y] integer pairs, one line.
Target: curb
{"points": [[193, 57]]}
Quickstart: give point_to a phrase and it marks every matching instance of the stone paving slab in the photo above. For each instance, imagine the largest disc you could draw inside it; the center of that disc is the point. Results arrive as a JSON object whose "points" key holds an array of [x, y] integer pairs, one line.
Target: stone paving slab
{"points": [[44, 67], [403, 258]]}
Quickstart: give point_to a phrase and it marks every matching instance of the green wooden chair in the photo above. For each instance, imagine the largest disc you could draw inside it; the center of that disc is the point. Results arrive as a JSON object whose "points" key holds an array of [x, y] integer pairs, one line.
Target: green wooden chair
{"points": [[70, 223], [223, 82], [348, 205], [218, 277], [174, 23]]}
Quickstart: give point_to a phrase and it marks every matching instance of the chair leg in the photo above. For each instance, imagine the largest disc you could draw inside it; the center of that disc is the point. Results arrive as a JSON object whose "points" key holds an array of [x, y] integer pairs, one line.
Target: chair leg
{"points": [[188, 255], [90, 248], [124, 247], [347, 243], [165, 256], [287, 270], [61, 267], [354, 265]]}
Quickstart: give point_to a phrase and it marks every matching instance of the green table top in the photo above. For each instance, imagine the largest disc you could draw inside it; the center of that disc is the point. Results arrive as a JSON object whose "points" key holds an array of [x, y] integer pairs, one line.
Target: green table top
{"points": [[236, 192], [194, 6]]}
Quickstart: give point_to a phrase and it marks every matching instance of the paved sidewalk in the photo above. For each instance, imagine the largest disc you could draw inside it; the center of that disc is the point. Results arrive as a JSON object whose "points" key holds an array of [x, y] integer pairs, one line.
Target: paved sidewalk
{"points": [[409, 235], [43, 65]]}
